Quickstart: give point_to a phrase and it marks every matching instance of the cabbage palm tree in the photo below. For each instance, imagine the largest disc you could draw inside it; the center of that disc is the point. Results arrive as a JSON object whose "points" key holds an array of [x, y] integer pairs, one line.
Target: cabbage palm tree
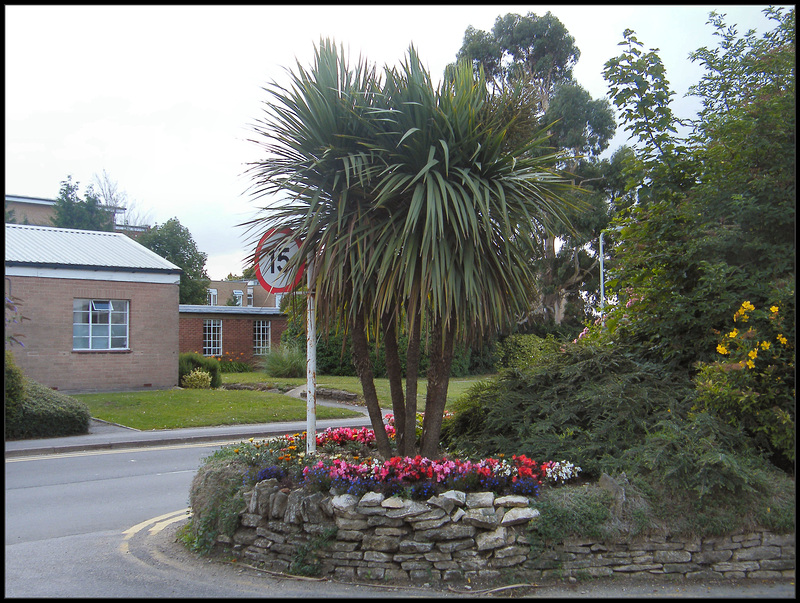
{"points": [[415, 209]]}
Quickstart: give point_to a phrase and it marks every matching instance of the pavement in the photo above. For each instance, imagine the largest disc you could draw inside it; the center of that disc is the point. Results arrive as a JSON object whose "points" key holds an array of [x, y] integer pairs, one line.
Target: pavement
{"points": [[105, 435]]}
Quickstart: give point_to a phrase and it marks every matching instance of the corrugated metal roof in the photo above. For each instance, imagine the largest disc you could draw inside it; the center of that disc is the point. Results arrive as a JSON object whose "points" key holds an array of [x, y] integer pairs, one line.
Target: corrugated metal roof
{"points": [[46, 246]]}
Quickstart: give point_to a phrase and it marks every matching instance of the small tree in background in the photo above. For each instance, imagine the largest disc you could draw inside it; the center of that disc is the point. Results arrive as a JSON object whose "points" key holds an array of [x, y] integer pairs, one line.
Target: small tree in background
{"points": [[173, 242], [84, 214]]}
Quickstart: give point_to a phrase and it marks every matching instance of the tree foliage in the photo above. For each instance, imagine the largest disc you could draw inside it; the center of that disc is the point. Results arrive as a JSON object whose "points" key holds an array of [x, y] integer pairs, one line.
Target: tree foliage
{"points": [[89, 213], [530, 59], [173, 242], [414, 210], [713, 220]]}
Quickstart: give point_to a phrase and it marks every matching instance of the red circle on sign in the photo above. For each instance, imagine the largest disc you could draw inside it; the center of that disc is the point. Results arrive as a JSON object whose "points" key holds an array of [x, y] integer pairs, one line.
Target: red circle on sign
{"points": [[272, 282]]}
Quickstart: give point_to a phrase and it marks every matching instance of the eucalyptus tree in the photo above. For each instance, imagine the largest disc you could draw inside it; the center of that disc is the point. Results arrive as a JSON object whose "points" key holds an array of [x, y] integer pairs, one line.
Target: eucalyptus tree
{"points": [[414, 207]]}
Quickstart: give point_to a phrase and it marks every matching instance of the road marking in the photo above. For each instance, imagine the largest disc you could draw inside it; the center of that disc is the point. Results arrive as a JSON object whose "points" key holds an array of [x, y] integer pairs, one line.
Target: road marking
{"points": [[130, 532], [163, 524], [59, 455], [160, 522]]}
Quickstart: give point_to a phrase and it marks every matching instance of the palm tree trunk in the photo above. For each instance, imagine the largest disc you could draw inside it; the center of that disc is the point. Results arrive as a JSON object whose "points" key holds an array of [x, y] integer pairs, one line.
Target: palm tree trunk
{"points": [[394, 372], [438, 379], [413, 354], [365, 374]]}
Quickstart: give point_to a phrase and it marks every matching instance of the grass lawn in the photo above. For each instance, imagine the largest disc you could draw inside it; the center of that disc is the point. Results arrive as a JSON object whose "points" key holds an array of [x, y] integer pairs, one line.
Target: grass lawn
{"points": [[458, 385], [174, 408]]}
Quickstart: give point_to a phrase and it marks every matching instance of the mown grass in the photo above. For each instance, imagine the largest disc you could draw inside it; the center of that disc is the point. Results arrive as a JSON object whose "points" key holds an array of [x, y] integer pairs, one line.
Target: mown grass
{"points": [[173, 409], [177, 408], [458, 386]]}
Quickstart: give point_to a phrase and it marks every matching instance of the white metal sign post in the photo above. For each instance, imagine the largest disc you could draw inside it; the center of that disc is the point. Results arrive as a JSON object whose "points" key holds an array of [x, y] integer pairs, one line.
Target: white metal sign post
{"points": [[280, 246], [311, 365]]}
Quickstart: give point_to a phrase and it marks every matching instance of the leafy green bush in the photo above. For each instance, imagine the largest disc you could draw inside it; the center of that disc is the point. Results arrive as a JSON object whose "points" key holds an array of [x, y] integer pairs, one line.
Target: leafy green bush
{"points": [[197, 379], [189, 361], [288, 360], [14, 391], [46, 413], [588, 402], [520, 351]]}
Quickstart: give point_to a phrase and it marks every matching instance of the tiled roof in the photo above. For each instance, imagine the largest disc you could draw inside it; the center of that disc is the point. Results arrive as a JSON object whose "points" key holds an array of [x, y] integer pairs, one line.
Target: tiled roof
{"points": [[67, 248]]}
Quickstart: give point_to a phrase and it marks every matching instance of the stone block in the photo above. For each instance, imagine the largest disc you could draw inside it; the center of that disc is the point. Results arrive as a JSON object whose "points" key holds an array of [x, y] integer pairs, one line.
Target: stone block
{"points": [[777, 564], [491, 540], [735, 566], [310, 508], [369, 511], [351, 524], [451, 546], [458, 497], [377, 556], [446, 504], [380, 543], [393, 502], [457, 515], [292, 513], [355, 535], [371, 499], [709, 557], [448, 532], [453, 575], [519, 515], [382, 520], [778, 539], [437, 556], [370, 573], [277, 504], [430, 523], [681, 568], [482, 517], [512, 500], [416, 564], [508, 551], [388, 531], [512, 561], [410, 509], [672, 556], [251, 520], [757, 553], [446, 565], [764, 575], [414, 546], [343, 503], [424, 576], [477, 500]]}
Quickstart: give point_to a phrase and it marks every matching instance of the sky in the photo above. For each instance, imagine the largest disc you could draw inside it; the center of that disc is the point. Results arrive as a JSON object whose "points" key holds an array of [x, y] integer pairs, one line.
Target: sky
{"points": [[163, 98]]}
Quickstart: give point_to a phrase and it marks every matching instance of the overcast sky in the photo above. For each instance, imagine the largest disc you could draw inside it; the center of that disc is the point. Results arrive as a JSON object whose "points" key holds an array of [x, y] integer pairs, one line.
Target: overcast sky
{"points": [[162, 97]]}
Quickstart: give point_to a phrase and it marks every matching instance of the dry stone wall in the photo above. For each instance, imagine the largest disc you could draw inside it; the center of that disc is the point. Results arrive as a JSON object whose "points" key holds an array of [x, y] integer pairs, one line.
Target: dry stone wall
{"points": [[457, 536]]}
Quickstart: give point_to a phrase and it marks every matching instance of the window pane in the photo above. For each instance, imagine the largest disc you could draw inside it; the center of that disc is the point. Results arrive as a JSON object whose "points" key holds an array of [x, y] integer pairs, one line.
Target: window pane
{"points": [[119, 343], [81, 305], [80, 330], [99, 330], [119, 330], [80, 343], [119, 305], [80, 317], [119, 318], [99, 343]]}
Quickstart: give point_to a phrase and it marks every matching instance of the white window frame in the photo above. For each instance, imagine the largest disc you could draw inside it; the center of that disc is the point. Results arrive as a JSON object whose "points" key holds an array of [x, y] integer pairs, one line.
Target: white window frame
{"points": [[249, 296], [260, 337], [212, 337], [100, 325], [211, 297], [238, 295]]}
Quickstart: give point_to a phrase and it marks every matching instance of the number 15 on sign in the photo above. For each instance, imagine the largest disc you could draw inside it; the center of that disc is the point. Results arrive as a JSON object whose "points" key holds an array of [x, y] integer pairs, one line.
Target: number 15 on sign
{"points": [[273, 253]]}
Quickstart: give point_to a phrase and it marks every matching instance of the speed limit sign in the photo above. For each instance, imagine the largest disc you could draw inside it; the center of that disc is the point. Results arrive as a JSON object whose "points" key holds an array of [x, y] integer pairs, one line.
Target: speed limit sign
{"points": [[273, 253]]}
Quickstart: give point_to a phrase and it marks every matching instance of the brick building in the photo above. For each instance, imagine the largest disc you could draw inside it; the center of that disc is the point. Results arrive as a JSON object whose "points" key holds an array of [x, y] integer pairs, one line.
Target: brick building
{"points": [[101, 310], [241, 322]]}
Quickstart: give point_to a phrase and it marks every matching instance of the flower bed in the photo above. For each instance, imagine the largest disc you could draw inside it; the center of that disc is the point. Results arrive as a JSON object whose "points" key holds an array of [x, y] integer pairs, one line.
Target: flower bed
{"points": [[346, 463]]}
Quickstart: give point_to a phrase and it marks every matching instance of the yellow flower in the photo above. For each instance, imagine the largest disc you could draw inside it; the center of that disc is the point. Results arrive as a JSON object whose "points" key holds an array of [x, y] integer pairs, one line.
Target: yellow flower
{"points": [[750, 364], [765, 345], [251, 439], [774, 309], [747, 306], [781, 338], [733, 333], [753, 353], [722, 349]]}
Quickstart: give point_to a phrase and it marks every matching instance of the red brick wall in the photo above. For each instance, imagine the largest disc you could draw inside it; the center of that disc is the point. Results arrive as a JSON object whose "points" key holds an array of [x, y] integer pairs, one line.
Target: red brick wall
{"points": [[151, 362], [237, 334]]}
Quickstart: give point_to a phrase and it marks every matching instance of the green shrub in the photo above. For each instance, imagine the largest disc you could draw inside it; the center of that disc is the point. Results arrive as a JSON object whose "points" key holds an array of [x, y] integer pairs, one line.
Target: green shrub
{"points": [[46, 413], [588, 403], [14, 391], [189, 361], [197, 379], [288, 360], [521, 351]]}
